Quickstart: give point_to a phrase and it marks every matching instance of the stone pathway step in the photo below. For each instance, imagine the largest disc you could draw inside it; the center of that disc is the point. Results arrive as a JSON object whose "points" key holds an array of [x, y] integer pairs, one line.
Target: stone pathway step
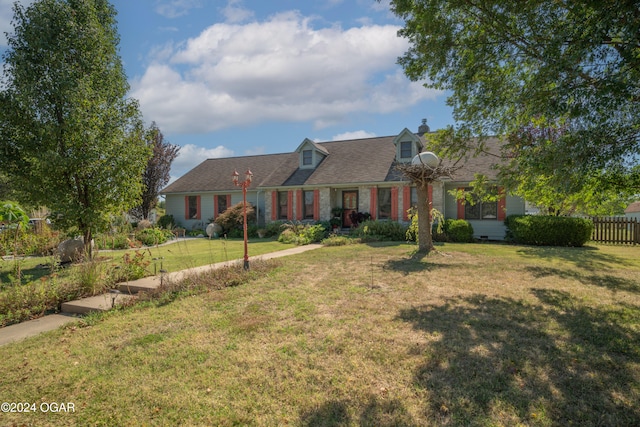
{"points": [[124, 291]]}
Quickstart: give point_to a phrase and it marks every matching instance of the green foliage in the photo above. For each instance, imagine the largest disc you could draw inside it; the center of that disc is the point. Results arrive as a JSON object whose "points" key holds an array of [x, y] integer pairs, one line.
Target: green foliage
{"points": [[112, 241], [233, 217], [458, 230], [437, 225], [380, 231], [26, 241], [153, 236], [166, 221], [67, 132], [338, 240], [559, 80], [544, 230], [303, 234], [274, 228], [12, 213]]}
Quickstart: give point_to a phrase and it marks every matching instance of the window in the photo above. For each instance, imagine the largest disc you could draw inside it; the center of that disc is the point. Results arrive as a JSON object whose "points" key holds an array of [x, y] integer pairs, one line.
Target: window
{"points": [[222, 204], [480, 210], [384, 203], [308, 205], [307, 157], [405, 150], [414, 197], [192, 210], [283, 207]]}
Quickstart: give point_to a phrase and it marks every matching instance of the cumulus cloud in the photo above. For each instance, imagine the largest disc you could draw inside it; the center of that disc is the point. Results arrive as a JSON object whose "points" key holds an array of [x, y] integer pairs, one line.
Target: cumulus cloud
{"points": [[192, 155], [280, 69]]}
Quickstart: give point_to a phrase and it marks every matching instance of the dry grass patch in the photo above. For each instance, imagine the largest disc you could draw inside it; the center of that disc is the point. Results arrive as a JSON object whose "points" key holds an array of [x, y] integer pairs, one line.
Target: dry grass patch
{"points": [[360, 335]]}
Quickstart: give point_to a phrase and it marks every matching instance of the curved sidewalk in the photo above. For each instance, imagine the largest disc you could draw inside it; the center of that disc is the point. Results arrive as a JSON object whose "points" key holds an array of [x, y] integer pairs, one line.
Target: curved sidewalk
{"points": [[104, 302]]}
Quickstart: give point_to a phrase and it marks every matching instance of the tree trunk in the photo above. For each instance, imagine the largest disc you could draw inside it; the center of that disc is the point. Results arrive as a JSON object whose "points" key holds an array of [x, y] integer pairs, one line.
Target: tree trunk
{"points": [[88, 237], [425, 242]]}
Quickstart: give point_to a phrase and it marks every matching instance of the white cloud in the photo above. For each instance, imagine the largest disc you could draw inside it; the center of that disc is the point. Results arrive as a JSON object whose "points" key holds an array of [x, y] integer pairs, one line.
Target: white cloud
{"points": [[282, 69], [358, 134], [192, 155], [234, 12], [176, 8]]}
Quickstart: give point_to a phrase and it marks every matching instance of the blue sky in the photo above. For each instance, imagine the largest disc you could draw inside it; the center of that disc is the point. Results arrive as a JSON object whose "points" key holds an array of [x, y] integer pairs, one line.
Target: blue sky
{"points": [[239, 77]]}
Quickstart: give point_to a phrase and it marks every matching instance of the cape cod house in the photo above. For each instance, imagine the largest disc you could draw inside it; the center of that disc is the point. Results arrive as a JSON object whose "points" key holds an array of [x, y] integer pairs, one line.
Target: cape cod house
{"points": [[306, 184]]}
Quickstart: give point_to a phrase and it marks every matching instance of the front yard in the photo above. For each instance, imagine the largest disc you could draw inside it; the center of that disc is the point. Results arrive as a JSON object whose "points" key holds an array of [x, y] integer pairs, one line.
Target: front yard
{"points": [[477, 334]]}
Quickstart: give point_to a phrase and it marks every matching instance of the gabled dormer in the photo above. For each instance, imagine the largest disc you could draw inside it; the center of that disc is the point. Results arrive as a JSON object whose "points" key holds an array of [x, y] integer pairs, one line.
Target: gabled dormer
{"points": [[310, 154], [408, 145]]}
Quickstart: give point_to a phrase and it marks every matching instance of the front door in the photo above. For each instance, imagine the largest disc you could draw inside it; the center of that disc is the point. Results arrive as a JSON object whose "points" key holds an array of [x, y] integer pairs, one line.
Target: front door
{"points": [[349, 204]]}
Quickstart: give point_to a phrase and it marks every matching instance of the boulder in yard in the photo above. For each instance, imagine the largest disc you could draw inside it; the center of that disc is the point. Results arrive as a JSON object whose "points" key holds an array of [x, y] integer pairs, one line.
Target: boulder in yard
{"points": [[70, 250]]}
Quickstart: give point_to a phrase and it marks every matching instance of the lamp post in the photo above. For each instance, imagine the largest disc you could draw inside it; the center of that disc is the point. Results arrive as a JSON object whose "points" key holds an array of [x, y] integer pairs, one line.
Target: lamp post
{"points": [[244, 184]]}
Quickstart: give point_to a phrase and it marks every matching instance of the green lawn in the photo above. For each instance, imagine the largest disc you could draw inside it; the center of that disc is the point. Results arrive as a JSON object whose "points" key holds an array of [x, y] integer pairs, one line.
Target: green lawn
{"points": [[42, 287], [477, 334]]}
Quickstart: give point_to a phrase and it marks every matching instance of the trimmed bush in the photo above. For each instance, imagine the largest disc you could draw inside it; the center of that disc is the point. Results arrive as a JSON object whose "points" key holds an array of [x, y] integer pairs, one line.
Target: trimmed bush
{"points": [[380, 231], [153, 236], [545, 230], [458, 230], [233, 218]]}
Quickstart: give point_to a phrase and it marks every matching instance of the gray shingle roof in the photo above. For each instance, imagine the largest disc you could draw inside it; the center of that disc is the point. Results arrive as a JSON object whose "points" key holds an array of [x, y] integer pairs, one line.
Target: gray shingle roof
{"points": [[359, 161]]}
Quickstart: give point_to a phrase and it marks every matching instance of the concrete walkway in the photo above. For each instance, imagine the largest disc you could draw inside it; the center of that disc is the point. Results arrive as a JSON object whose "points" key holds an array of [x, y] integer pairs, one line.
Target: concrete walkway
{"points": [[70, 310]]}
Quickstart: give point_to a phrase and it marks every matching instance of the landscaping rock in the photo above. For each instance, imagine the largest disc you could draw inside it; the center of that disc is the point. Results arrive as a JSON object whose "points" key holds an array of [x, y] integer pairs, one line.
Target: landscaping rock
{"points": [[70, 250]]}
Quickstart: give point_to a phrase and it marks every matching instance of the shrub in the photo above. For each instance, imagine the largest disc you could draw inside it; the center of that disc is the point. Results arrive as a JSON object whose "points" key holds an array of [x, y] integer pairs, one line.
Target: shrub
{"points": [[545, 230], [144, 224], [458, 230], [437, 226], [300, 234], [233, 217], [380, 230], [112, 241], [337, 240], [273, 228], [166, 221], [153, 236]]}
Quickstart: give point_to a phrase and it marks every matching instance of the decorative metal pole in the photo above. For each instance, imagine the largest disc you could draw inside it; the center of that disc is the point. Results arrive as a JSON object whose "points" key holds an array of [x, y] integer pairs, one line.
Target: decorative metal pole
{"points": [[244, 185]]}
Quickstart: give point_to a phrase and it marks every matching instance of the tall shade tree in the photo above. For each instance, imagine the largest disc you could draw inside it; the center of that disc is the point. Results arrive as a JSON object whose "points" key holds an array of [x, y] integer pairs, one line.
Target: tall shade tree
{"points": [[68, 134], [156, 175], [547, 64]]}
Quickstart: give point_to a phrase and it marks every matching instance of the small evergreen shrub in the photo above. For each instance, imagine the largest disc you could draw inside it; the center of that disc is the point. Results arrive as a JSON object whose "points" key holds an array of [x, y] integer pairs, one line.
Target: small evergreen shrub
{"points": [[166, 221], [274, 228], [546, 230], [336, 240], [458, 230]]}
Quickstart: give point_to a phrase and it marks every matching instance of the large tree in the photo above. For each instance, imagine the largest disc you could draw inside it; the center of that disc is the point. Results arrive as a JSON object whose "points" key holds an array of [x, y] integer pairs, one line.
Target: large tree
{"points": [[569, 67], [156, 174], [69, 137]]}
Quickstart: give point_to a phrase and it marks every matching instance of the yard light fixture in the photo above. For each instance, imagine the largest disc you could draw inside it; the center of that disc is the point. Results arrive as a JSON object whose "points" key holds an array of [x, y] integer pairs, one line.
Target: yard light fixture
{"points": [[244, 184]]}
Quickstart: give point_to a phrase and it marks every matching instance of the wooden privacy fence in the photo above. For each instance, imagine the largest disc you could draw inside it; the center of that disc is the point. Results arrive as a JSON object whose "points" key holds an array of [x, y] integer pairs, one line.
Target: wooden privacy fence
{"points": [[616, 230]]}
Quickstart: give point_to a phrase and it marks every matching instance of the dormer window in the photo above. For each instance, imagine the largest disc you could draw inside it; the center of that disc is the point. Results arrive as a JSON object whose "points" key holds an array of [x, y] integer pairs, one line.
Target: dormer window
{"points": [[405, 150], [307, 157]]}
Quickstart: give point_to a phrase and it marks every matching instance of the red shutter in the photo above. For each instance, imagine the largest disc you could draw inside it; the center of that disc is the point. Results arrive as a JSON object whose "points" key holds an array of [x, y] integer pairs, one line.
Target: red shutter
{"points": [[228, 201], [394, 203], [406, 202], [502, 204], [290, 205], [299, 204], [460, 205], [186, 207], [316, 205], [197, 207], [373, 191], [274, 205], [215, 207]]}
